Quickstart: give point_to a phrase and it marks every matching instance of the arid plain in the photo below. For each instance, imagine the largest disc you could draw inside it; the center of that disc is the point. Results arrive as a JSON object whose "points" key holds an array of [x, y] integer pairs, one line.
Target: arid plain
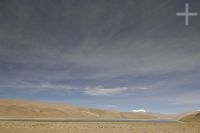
{"points": [[9, 109], [97, 127]]}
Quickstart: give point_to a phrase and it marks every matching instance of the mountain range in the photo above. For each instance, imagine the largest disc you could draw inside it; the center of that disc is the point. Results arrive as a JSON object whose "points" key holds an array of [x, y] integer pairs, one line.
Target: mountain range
{"points": [[29, 109]]}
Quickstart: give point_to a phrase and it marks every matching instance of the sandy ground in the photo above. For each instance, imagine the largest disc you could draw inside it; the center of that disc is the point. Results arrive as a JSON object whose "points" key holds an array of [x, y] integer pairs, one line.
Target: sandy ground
{"points": [[96, 127]]}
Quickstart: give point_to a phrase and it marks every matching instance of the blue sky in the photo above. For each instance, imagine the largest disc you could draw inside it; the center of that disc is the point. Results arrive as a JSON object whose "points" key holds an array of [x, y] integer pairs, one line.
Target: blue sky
{"points": [[118, 54]]}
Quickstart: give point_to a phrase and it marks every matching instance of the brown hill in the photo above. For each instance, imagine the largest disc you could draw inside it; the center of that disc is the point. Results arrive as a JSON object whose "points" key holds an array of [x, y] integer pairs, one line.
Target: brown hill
{"points": [[193, 117], [29, 109]]}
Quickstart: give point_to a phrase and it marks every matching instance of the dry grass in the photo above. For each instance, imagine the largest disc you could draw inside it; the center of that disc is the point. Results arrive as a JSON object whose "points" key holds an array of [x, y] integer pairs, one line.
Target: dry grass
{"points": [[97, 127]]}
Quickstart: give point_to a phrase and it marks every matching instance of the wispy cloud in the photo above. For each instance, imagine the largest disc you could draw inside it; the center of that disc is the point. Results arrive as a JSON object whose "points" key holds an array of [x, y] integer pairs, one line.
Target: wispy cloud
{"points": [[101, 91], [138, 110], [37, 87]]}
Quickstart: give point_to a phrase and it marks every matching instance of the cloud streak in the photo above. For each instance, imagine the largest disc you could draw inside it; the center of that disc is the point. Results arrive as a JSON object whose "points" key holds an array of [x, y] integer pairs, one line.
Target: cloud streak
{"points": [[102, 91], [138, 110]]}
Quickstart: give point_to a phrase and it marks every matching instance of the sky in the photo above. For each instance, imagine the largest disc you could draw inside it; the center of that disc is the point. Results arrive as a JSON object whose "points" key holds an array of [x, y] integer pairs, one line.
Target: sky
{"points": [[113, 54]]}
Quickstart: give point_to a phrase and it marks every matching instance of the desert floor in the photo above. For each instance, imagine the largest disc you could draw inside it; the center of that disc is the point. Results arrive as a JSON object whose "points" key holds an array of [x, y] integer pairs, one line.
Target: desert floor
{"points": [[96, 127]]}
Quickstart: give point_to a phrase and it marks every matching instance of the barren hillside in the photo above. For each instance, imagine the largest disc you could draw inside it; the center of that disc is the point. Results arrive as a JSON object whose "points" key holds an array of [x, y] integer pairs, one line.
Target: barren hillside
{"points": [[29, 109]]}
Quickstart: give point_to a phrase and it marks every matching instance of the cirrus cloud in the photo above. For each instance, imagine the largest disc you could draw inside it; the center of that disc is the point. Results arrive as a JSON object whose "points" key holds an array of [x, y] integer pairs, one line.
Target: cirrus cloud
{"points": [[101, 91]]}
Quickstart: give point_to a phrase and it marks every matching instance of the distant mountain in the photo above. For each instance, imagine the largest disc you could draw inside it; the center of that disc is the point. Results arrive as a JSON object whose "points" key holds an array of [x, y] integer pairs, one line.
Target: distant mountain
{"points": [[29, 109], [192, 117]]}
